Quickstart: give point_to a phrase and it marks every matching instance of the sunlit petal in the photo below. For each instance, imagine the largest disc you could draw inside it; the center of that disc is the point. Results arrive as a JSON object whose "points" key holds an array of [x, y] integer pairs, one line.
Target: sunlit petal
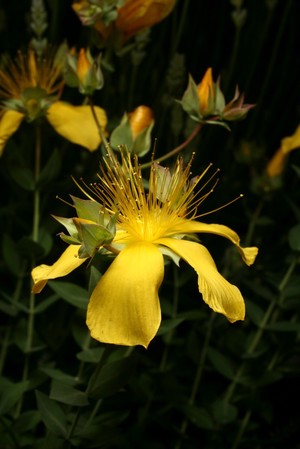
{"points": [[67, 262], [124, 307], [77, 124], [218, 293], [248, 254], [9, 123]]}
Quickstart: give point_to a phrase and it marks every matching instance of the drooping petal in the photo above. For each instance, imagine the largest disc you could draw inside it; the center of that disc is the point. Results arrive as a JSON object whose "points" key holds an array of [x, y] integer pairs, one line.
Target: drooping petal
{"points": [[190, 226], [77, 124], [67, 262], [217, 292], [124, 307], [9, 123]]}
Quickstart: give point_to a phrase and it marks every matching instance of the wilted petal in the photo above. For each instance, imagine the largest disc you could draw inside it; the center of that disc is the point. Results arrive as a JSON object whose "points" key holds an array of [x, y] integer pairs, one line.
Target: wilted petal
{"points": [[190, 226], [124, 307], [77, 124], [217, 292], [67, 262], [9, 123]]}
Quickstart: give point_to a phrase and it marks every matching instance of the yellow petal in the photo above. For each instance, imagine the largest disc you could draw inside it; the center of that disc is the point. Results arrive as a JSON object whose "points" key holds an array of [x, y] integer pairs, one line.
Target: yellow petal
{"points": [[206, 90], [248, 254], [9, 123], [124, 307], [217, 292], [290, 143], [67, 262], [276, 164], [77, 124]]}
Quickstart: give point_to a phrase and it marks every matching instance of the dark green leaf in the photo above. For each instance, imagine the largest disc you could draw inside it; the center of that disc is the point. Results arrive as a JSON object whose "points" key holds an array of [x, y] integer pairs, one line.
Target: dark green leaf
{"points": [[199, 417], [52, 414], [73, 294], [294, 238], [66, 394], [90, 355], [221, 363]]}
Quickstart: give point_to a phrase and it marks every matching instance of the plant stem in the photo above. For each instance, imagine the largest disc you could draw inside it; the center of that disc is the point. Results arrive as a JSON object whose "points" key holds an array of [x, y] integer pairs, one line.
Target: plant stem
{"points": [[35, 237], [197, 379], [98, 124], [253, 346], [176, 150]]}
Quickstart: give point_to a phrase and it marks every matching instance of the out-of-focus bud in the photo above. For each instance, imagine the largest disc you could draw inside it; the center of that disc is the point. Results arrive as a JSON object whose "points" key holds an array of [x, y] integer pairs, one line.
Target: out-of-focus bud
{"points": [[83, 71], [123, 17], [205, 103], [134, 131], [276, 164]]}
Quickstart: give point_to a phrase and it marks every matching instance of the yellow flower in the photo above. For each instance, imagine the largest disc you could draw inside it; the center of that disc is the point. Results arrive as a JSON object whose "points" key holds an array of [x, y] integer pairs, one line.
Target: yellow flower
{"points": [[206, 92], [277, 163], [29, 88], [124, 307], [134, 16]]}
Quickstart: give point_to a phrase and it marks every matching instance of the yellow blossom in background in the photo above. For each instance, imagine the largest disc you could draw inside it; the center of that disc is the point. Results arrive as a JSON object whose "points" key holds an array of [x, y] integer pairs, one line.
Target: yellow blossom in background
{"points": [[124, 307], [134, 16], [277, 163], [30, 87]]}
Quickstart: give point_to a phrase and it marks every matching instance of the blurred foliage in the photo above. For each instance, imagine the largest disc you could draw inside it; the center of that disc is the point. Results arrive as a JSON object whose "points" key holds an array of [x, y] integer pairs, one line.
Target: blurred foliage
{"points": [[203, 382]]}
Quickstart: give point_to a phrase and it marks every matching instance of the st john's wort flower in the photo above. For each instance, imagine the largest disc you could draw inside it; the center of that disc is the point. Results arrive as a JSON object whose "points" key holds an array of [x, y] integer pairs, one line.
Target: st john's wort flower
{"points": [[124, 307], [134, 131], [205, 102], [30, 87], [127, 19]]}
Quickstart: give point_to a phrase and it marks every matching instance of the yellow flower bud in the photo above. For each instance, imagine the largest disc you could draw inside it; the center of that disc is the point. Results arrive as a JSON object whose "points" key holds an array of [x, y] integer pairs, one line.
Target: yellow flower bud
{"points": [[206, 91], [83, 66], [140, 119]]}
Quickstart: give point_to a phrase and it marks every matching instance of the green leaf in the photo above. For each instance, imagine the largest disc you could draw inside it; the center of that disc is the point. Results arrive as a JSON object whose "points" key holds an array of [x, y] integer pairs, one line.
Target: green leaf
{"points": [[23, 177], [27, 421], [254, 312], [45, 303], [221, 363], [111, 378], [11, 256], [294, 238], [50, 169], [168, 325], [284, 326], [199, 417], [52, 414], [73, 294], [59, 375], [90, 355], [10, 394], [66, 394], [224, 413]]}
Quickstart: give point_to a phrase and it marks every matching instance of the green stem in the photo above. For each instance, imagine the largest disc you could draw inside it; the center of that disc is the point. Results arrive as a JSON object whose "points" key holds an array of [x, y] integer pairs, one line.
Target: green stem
{"points": [[35, 237], [101, 363], [254, 219], [98, 124], [177, 30], [253, 346], [198, 376], [176, 150]]}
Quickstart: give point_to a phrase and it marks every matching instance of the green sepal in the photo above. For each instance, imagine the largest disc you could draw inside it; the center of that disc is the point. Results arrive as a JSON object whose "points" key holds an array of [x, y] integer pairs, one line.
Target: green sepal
{"points": [[219, 99], [92, 237], [122, 135], [87, 209], [69, 240], [142, 143], [69, 225], [190, 101]]}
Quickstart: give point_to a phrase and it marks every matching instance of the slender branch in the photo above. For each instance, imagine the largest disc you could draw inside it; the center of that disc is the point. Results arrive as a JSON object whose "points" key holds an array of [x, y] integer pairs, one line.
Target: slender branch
{"points": [[176, 150], [98, 124]]}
